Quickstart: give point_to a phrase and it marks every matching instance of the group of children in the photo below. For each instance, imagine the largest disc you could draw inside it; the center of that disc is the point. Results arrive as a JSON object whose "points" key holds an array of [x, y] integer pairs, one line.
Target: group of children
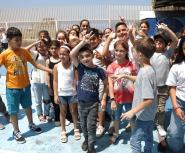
{"points": [[82, 71]]}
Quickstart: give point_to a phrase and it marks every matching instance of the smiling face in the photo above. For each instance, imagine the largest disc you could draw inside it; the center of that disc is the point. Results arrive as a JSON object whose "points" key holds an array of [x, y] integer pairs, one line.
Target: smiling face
{"points": [[61, 38], [63, 54], [144, 28], [86, 58], [122, 33]]}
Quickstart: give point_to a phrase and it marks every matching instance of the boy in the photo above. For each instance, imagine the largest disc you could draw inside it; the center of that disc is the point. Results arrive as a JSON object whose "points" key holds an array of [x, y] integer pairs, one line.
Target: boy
{"points": [[144, 104], [18, 91], [161, 63], [88, 95]]}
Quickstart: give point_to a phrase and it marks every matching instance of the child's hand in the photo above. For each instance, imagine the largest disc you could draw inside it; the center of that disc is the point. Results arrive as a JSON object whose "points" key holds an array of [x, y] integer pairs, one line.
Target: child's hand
{"points": [[112, 35], [162, 26], [180, 114], [56, 100], [127, 116], [119, 76], [86, 38], [122, 19], [103, 104], [113, 105]]}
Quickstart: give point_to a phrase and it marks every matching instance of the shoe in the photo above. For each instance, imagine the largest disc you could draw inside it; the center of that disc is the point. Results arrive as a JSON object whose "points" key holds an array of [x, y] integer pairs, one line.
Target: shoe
{"points": [[84, 146], [91, 150], [57, 123], [77, 134], [35, 128], [48, 118], [18, 137], [1, 126], [161, 131], [67, 123], [41, 118], [113, 138], [63, 137], [100, 131]]}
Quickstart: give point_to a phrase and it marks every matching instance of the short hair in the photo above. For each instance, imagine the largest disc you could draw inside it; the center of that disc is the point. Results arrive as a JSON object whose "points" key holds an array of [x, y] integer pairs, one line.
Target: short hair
{"points": [[55, 43], [120, 23], [94, 31], [86, 48], [146, 46], [13, 32]]}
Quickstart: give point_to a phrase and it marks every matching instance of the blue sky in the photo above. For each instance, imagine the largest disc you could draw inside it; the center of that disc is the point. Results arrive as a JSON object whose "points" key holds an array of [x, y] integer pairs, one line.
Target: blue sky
{"points": [[53, 3]]}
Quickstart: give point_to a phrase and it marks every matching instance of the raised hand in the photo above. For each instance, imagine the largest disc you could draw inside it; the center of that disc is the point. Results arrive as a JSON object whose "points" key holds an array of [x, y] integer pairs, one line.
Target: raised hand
{"points": [[112, 35], [161, 26], [86, 38]]}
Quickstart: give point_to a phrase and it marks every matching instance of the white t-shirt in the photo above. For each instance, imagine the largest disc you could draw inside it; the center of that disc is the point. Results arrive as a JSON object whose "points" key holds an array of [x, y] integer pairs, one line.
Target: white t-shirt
{"points": [[38, 76], [176, 78], [66, 84]]}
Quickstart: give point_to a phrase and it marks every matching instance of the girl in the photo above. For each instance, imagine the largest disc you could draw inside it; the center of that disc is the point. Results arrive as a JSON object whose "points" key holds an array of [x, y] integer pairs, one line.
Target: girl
{"points": [[39, 85], [65, 90], [61, 36], [120, 90], [176, 82], [106, 33], [84, 27], [54, 59], [73, 34], [143, 29]]}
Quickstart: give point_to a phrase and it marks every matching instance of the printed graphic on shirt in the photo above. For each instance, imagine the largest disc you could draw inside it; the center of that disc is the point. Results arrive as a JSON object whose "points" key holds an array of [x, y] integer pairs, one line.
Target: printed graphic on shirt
{"points": [[90, 81], [19, 66]]}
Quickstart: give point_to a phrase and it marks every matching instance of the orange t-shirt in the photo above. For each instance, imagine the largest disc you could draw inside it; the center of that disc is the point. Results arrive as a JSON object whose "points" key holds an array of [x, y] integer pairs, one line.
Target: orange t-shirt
{"points": [[15, 62]]}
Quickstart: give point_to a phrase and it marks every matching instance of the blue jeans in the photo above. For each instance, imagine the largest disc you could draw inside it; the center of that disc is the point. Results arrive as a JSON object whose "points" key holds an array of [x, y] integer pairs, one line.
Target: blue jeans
{"points": [[41, 93], [176, 130], [142, 131]]}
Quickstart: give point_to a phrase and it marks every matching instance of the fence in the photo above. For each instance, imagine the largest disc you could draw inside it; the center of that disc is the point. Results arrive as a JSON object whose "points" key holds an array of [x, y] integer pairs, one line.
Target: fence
{"points": [[30, 29]]}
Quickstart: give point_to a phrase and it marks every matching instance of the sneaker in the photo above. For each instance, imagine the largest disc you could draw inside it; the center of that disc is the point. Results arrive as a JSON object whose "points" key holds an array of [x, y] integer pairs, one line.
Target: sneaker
{"points": [[100, 131], [84, 146], [35, 128], [18, 137], [1, 126], [161, 131], [57, 123], [67, 123]]}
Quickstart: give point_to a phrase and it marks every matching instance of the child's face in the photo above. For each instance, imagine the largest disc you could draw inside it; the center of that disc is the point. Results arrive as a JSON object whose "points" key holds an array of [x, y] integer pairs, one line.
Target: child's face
{"points": [[15, 42], [144, 28], [84, 25], [64, 55], [61, 38], [94, 42], [43, 36], [76, 28], [86, 58], [72, 33], [107, 33], [53, 50], [160, 45], [42, 48], [120, 52], [122, 33]]}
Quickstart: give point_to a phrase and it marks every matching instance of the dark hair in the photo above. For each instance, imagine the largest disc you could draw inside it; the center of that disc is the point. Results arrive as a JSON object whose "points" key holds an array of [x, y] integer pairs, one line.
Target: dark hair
{"points": [[124, 45], [13, 32], [145, 22], [106, 29], [47, 34], [180, 56], [65, 34], [95, 32], [86, 48], [146, 46], [120, 23], [76, 25], [55, 43], [83, 21], [77, 33], [44, 41]]}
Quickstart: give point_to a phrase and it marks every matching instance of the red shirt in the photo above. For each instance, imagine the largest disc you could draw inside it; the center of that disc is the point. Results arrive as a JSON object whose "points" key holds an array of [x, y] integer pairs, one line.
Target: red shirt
{"points": [[123, 88]]}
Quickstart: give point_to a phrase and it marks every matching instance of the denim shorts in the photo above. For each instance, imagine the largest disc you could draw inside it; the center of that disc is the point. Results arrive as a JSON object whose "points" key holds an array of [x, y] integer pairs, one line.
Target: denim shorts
{"points": [[68, 99], [117, 113], [18, 96]]}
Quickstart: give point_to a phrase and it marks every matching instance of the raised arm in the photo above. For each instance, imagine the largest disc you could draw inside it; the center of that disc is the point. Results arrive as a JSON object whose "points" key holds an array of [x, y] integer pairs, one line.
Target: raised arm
{"points": [[75, 50], [32, 45]]}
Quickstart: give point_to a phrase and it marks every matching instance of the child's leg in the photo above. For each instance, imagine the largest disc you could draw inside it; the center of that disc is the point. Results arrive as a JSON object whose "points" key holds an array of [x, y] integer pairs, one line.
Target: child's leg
{"points": [[56, 109], [37, 91], [176, 130], [91, 125], [46, 99], [73, 110], [2, 106], [63, 112]]}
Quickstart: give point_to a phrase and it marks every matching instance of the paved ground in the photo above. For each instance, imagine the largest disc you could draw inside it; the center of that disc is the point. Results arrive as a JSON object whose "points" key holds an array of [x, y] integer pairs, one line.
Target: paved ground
{"points": [[49, 140]]}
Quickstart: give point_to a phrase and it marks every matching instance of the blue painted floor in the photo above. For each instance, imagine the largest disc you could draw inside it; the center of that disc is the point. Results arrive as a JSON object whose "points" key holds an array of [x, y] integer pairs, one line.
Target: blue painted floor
{"points": [[49, 140]]}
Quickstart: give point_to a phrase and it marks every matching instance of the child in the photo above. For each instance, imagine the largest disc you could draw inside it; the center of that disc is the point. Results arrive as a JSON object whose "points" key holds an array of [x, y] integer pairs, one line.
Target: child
{"points": [[64, 84], [18, 90], [61, 36], [161, 63], [144, 103], [176, 82], [50, 63], [5, 113], [87, 91], [120, 90], [38, 80]]}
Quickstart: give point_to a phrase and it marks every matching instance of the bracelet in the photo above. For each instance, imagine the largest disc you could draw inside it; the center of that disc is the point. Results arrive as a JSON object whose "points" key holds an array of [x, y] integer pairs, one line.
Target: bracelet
{"points": [[176, 108]]}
